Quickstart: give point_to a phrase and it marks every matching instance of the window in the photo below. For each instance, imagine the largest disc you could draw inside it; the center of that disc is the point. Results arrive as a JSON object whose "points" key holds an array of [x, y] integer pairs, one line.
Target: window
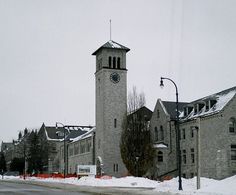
{"points": [[232, 125], [207, 106], [156, 134], [212, 103], [118, 62], [109, 61], [115, 122], [160, 156], [184, 157], [114, 62], [161, 133], [158, 113], [115, 167], [192, 132], [192, 156], [195, 108], [233, 152], [183, 133]]}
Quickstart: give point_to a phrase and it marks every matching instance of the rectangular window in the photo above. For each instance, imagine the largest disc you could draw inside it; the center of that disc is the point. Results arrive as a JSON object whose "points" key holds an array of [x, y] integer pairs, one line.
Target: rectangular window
{"points": [[115, 122], [192, 132], [184, 157], [233, 152], [183, 133], [115, 167], [207, 106], [192, 156], [158, 114]]}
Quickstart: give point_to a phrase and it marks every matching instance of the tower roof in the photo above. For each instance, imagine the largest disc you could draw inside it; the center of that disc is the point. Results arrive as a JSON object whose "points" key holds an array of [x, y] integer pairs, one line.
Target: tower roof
{"points": [[112, 45]]}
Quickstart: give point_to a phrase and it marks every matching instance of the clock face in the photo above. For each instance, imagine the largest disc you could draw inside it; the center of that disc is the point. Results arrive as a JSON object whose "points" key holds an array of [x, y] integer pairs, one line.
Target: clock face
{"points": [[115, 77]]}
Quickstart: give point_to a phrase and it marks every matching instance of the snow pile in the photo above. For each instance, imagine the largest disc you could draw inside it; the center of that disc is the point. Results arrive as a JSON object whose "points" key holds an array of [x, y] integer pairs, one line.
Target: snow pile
{"points": [[119, 182], [208, 186]]}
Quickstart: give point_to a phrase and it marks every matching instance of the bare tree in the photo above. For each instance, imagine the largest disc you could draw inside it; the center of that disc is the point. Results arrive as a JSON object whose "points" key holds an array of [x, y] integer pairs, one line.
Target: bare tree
{"points": [[135, 100]]}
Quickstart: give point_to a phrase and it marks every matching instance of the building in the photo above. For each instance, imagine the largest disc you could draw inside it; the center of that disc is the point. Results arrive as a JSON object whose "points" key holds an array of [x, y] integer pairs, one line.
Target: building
{"points": [[214, 118], [111, 106], [56, 141], [163, 130]]}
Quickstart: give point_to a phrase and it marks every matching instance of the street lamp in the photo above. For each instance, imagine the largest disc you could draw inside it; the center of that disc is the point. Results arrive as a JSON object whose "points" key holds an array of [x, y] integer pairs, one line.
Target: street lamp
{"points": [[197, 128], [177, 132], [64, 146]]}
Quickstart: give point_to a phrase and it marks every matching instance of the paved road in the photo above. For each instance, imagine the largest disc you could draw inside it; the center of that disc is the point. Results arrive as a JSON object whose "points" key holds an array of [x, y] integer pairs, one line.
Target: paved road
{"points": [[21, 187], [9, 188]]}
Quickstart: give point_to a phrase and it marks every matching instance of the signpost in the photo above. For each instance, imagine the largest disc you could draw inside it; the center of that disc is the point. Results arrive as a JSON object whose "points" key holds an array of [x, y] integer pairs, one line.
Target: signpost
{"points": [[86, 170]]}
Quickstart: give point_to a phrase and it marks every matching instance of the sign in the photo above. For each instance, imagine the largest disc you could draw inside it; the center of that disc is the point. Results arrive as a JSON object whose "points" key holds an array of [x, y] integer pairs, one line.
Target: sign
{"points": [[86, 170]]}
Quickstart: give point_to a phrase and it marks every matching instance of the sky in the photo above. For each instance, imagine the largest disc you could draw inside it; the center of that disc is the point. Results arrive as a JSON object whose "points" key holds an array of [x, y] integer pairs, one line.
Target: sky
{"points": [[47, 70]]}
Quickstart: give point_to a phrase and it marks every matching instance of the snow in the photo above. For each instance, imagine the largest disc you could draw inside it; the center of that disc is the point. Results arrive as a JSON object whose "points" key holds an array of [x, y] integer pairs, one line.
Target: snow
{"points": [[160, 146], [208, 186], [222, 101], [114, 45]]}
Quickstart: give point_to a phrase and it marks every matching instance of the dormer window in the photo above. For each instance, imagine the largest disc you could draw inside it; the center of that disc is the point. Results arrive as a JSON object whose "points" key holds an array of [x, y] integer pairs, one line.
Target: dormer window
{"points": [[187, 110], [207, 106], [195, 108], [198, 107], [212, 103]]}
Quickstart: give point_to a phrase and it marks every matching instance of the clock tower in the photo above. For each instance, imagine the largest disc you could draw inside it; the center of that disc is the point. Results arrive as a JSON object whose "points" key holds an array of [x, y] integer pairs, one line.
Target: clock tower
{"points": [[111, 106]]}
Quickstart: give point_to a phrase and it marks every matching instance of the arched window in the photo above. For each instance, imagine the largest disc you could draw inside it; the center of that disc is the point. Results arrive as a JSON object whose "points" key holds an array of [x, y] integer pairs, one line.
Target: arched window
{"points": [[114, 62], [156, 134], [118, 62], [109, 61], [161, 133], [232, 125], [160, 156]]}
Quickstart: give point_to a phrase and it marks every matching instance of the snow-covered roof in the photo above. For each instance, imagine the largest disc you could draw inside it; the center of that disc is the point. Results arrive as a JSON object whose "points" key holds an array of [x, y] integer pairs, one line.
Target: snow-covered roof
{"points": [[84, 136], [221, 100], [112, 45], [160, 146]]}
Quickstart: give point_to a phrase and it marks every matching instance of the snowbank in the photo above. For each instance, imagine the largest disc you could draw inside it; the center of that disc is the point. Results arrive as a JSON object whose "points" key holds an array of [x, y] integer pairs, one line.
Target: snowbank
{"points": [[208, 186]]}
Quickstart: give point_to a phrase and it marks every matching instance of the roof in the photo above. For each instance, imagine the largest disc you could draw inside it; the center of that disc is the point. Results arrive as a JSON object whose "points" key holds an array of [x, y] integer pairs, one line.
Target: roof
{"points": [[111, 45], [222, 99], [143, 111], [6, 146], [71, 132], [85, 135], [171, 108]]}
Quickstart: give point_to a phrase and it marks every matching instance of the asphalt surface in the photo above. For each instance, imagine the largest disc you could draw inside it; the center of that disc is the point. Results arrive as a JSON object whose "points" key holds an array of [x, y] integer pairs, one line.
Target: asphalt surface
{"points": [[9, 188], [27, 187]]}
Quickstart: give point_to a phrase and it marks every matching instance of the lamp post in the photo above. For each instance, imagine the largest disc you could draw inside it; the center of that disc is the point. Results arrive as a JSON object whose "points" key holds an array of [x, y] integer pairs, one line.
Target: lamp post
{"points": [[64, 139], [197, 128], [177, 132]]}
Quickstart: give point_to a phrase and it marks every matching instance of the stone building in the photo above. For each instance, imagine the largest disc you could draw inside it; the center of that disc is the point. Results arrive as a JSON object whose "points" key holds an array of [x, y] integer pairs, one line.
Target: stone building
{"points": [[81, 150], [111, 106], [214, 118]]}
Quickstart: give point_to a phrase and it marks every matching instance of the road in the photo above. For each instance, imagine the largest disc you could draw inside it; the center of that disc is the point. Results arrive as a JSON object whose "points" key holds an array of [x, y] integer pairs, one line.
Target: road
{"points": [[9, 188], [21, 187]]}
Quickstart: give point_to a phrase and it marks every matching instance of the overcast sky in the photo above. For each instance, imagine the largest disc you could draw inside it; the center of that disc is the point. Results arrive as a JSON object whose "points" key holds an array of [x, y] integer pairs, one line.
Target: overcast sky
{"points": [[47, 70]]}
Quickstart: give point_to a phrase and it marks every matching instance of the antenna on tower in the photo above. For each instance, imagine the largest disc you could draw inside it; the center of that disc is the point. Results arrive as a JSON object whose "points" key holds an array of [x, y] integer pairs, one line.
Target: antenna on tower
{"points": [[110, 29]]}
